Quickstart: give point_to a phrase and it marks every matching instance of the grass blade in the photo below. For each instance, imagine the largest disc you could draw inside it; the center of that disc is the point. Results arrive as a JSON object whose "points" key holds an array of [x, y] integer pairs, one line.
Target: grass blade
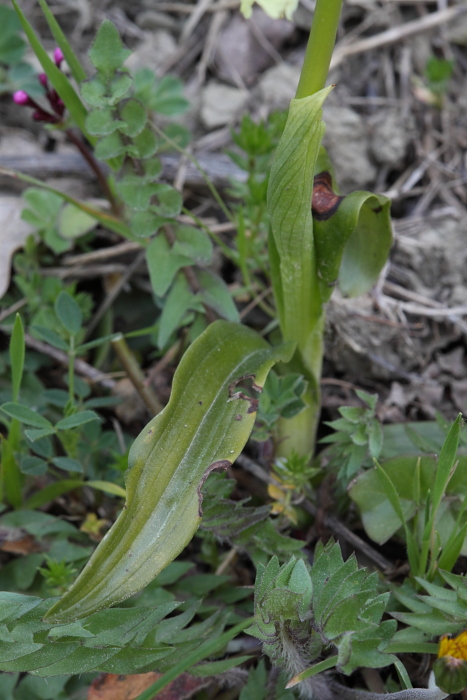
{"points": [[58, 79], [77, 70], [17, 356]]}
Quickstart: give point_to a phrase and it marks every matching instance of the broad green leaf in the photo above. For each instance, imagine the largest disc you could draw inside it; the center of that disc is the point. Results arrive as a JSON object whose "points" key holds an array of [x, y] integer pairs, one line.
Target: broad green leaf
{"points": [[76, 419], [170, 200], [33, 434], [163, 264], [215, 293], [204, 426], [77, 70], [352, 234], [135, 193], [68, 313], [58, 79], [34, 466], [25, 415], [101, 122], [107, 52], [134, 117], [107, 220], [74, 222], [144, 224], [70, 465], [17, 356], [164, 96], [110, 146], [12, 46], [193, 243], [50, 337], [295, 275], [144, 145], [179, 300]]}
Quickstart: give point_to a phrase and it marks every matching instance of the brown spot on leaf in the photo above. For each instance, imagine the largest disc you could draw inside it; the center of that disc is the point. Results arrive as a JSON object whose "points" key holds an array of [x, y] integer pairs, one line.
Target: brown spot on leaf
{"points": [[325, 202], [253, 407], [220, 464], [238, 416]]}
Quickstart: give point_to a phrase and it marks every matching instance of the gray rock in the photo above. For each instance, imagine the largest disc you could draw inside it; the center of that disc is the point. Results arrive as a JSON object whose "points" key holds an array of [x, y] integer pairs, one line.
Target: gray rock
{"points": [[153, 20], [155, 49], [221, 104], [346, 139], [390, 137], [242, 51], [277, 87]]}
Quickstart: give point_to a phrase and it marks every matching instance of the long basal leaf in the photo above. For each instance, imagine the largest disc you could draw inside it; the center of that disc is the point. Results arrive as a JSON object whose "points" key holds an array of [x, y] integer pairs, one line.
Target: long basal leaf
{"points": [[204, 426]]}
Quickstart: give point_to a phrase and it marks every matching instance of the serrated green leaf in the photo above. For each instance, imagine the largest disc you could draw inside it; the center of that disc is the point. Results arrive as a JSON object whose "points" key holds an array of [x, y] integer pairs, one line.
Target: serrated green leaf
{"points": [[144, 145], [133, 116], [107, 52], [135, 193], [101, 122], [169, 462], [110, 146]]}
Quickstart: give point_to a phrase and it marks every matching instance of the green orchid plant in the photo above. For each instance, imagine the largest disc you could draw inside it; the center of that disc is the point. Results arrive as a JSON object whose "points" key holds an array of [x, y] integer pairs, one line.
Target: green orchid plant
{"points": [[318, 239]]}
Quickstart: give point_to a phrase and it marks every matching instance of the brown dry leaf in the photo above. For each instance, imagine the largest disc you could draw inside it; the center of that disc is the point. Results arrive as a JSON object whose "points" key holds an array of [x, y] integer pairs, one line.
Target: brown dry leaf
{"points": [[13, 234], [111, 686], [17, 541]]}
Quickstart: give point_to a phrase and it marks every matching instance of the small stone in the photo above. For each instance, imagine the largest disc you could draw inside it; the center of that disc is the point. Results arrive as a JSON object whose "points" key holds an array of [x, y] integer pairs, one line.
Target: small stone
{"points": [[153, 51], [152, 20], [240, 52], [390, 138], [278, 86], [221, 104], [346, 139]]}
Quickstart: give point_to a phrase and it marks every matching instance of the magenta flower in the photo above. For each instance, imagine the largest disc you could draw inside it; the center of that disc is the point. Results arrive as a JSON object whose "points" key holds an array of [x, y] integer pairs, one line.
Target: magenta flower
{"points": [[21, 98], [42, 79], [58, 57]]}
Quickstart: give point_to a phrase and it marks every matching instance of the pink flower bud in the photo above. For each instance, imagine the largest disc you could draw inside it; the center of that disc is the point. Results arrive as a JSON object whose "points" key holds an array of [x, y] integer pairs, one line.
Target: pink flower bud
{"points": [[42, 79], [21, 98], [58, 57]]}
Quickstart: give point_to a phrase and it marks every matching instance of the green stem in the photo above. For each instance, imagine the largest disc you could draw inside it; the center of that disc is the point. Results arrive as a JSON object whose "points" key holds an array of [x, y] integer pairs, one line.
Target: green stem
{"points": [[71, 370], [320, 47]]}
